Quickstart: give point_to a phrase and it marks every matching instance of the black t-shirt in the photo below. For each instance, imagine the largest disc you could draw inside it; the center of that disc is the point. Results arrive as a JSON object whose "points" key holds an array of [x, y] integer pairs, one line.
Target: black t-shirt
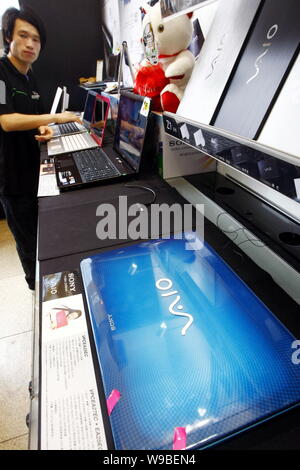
{"points": [[19, 151]]}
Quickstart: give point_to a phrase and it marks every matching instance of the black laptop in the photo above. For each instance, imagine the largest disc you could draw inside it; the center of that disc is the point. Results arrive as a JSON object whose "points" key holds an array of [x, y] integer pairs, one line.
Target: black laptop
{"points": [[121, 159]]}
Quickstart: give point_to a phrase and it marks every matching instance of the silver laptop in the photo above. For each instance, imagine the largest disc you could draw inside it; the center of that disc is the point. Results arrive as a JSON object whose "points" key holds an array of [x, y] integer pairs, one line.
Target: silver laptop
{"points": [[79, 141], [216, 60], [281, 130], [73, 127]]}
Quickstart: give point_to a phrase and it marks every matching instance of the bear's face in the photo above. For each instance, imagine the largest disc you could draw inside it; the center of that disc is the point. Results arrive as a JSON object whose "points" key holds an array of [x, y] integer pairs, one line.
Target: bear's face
{"points": [[170, 37]]}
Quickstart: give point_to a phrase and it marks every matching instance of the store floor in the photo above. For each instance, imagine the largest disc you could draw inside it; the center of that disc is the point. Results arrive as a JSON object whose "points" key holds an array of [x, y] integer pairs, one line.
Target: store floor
{"points": [[15, 346]]}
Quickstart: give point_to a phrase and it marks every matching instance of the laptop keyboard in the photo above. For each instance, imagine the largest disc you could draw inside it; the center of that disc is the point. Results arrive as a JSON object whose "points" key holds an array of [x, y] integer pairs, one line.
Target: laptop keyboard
{"points": [[68, 128], [94, 165], [78, 142]]}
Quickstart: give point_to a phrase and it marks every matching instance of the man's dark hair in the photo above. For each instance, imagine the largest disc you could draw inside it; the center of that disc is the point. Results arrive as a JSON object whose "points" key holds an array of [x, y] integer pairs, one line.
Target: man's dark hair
{"points": [[26, 14]]}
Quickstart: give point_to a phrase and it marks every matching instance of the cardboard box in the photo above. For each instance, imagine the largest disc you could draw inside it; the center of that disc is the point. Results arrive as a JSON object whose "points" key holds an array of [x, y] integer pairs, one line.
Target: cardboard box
{"points": [[174, 158]]}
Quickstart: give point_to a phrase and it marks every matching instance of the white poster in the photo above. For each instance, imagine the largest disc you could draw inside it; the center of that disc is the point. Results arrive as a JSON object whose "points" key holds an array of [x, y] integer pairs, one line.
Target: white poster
{"points": [[131, 32], [111, 19]]}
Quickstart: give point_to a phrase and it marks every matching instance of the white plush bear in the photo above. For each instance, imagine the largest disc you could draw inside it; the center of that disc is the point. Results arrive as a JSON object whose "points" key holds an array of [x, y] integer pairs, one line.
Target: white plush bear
{"points": [[168, 64]]}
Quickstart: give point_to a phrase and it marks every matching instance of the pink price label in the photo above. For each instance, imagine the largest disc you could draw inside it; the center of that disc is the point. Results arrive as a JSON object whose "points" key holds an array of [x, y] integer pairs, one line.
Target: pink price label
{"points": [[112, 400], [179, 442]]}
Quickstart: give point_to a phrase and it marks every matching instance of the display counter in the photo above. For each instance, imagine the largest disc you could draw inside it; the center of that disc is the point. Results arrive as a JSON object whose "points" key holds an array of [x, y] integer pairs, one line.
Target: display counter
{"points": [[68, 234]]}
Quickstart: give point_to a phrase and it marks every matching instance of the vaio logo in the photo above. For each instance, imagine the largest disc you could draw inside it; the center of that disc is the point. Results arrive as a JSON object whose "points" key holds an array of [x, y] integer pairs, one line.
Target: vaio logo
{"points": [[165, 284], [266, 45]]}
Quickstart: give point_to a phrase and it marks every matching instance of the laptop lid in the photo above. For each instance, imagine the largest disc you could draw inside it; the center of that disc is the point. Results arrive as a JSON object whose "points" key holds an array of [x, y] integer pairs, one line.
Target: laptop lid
{"points": [[217, 58], [184, 345], [262, 69], [98, 124], [56, 100], [65, 100], [131, 127]]}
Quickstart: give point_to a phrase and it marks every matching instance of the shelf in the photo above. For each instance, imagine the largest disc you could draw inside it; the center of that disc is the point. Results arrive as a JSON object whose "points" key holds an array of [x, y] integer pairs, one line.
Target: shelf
{"points": [[275, 169]]}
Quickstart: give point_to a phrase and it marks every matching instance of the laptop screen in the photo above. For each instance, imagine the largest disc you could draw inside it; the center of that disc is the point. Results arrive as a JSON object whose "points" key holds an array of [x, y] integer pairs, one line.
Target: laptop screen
{"points": [[98, 124], [131, 128], [89, 108], [113, 67], [112, 118]]}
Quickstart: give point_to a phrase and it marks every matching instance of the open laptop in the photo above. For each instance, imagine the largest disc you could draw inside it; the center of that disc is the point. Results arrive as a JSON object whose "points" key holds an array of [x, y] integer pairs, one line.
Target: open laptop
{"points": [[92, 137], [69, 127], [123, 158], [75, 127], [184, 344]]}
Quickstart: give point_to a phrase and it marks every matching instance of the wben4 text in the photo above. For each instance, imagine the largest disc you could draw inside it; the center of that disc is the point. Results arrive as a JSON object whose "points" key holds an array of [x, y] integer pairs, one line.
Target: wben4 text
{"points": [[171, 459]]}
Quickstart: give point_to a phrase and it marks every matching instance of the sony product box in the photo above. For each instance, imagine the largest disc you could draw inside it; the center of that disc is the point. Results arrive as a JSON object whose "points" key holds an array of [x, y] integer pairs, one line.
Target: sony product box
{"points": [[175, 158]]}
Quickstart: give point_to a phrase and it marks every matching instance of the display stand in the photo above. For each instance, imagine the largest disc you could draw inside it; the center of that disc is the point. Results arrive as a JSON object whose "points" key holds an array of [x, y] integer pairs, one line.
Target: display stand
{"points": [[271, 174]]}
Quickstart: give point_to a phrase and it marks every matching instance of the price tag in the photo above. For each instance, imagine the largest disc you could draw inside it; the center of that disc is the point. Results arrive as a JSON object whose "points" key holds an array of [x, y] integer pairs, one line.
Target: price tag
{"points": [[146, 107]]}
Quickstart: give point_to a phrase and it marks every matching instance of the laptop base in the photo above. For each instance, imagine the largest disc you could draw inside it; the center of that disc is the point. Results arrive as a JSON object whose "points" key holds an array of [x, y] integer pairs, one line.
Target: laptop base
{"points": [[69, 176]]}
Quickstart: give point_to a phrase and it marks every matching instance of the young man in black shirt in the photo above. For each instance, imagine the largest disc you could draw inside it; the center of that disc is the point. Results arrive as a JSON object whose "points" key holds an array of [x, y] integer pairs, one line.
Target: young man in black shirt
{"points": [[23, 125]]}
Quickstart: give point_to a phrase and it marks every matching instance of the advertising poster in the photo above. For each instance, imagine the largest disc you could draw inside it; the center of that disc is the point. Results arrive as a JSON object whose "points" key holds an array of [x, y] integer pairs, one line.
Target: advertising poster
{"points": [[71, 416]]}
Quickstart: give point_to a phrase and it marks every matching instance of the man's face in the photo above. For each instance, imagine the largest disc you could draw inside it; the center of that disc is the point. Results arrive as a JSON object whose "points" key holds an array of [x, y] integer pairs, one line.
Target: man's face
{"points": [[25, 45]]}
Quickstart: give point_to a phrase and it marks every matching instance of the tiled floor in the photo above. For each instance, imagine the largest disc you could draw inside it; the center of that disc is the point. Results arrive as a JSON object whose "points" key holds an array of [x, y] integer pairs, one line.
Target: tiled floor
{"points": [[15, 346]]}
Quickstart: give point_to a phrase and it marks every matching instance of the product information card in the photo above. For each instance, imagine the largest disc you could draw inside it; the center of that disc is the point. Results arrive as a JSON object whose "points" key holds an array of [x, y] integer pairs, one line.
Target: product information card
{"points": [[47, 180], [70, 408]]}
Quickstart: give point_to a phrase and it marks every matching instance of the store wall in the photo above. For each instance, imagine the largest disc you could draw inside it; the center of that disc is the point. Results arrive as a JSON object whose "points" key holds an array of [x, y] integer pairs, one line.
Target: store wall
{"points": [[74, 44]]}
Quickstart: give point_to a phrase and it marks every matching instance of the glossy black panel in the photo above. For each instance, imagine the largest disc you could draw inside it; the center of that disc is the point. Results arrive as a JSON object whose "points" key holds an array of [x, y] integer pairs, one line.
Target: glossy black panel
{"points": [[262, 69]]}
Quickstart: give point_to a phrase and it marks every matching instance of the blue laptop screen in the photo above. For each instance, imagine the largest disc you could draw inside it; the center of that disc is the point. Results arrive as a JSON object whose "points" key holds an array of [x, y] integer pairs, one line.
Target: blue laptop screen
{"points": [[184, 345]]}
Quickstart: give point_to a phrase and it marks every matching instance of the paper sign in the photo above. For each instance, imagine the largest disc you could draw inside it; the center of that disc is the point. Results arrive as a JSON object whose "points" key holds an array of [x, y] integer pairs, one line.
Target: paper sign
{"points": [[71, 417], [146, 107]]}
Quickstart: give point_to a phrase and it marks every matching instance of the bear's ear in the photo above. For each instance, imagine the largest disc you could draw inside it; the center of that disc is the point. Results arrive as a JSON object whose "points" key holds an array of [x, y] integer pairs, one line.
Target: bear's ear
{"points": [[190, 14]]}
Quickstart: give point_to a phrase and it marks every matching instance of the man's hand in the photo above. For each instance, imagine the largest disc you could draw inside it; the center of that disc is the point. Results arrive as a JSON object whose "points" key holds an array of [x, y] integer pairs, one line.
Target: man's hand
{"points": [[67, 116], [46, 133]]}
